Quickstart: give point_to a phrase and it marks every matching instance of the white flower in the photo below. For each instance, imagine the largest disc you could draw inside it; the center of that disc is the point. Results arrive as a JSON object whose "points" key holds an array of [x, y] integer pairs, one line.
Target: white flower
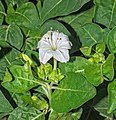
{"points": [[54, 44]]}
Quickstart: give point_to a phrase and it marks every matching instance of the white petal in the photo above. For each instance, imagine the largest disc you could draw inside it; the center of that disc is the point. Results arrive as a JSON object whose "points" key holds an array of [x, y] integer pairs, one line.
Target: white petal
{"points": [[61, 55], [43, 44], [55, 38], [45, 55], [63, 44]]}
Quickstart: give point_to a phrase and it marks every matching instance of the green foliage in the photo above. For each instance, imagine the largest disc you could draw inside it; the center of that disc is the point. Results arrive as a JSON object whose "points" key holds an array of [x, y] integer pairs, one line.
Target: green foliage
{"points": [[105, 12], [71, 90], [65, 116], [20, 80], [29, 113], [112, 96], [40, 92], [1, 13], [5, 108]]}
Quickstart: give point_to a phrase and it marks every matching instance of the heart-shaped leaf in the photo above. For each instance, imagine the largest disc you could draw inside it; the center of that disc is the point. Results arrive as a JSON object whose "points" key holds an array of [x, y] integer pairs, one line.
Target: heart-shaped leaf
{"points": [[72, 92], [20, 80]]}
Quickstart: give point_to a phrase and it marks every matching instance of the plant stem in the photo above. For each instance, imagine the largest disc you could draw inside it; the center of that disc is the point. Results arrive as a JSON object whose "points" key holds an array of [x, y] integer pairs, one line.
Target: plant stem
{"points": [[55, 64]]}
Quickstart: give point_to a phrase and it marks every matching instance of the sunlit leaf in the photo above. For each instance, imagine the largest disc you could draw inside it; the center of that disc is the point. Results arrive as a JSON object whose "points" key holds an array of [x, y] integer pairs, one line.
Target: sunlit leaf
{"points": [[26, 113], [71, 93], [77, 65], [21, 79], [65, 116], [96, 72]]}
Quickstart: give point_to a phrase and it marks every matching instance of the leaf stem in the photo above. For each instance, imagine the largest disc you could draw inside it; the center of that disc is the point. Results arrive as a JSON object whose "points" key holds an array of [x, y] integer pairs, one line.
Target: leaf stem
{"points": [[55, 64]]}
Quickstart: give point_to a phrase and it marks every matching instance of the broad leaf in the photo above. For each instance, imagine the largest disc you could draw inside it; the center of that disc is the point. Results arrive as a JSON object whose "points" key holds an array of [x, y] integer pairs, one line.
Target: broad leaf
{"points": [[112, 96], [90, 34], [5, 106], [12, 35], [108, 68], [65, 116], [102, 107], [53, 8], [77, 65], [22, 99], [78, 20], [20, 80], [111, 40], [26, 113], [7, 57], [26, 17], [94, 73], [1, 13], [16, 2], [71, 93], [97, 72], [105, 12]]}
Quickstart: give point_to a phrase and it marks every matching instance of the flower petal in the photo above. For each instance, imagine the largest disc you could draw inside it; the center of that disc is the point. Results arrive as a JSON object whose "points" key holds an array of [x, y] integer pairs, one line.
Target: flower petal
{"points": [[55, 38], [43, 44], [45, 55], [61, 55], [64, 42]]}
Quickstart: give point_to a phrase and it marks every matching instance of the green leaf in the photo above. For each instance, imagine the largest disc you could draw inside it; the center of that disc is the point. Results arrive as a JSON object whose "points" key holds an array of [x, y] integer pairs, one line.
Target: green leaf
{"points": [[31, 43], [78, 20], [26, 113], [2, 13], [94, 73], [102, 107], [97, 72], [5, 106], [7, 57], [65, 116], [26, 17], [71, 93], [111, 40], [90, 34], [105, 12], [21, 80], [112, 96], [22, 99], [108, 68], [53, 8], [55, 25], [15, 2], [100, 47], [77, 65], [12, 35]]}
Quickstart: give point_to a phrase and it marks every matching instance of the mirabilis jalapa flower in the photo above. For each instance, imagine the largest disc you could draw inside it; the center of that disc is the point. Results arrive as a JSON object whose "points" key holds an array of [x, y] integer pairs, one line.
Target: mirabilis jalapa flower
{"points": [[54, 44]]}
